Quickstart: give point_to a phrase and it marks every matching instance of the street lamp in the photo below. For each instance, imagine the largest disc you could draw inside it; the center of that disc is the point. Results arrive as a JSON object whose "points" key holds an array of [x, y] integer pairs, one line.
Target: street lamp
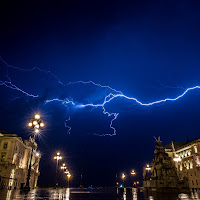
{"points": [[148, 168], [147, 172], [133, 173], [66, 171], [35, 124], [57, 158], [63, 167], [68, 176], [123, 177]]}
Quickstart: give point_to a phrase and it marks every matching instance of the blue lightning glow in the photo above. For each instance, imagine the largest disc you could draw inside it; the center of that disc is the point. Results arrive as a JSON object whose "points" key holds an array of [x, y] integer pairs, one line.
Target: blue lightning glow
{"points": [[96, 84], [10, 85], [30, 70], [107, 99], [64, 102]]}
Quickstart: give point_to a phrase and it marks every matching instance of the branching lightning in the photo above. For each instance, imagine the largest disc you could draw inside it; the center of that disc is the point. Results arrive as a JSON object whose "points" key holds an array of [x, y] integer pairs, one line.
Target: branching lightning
{"points": [[10, 85], [113, 94], [68, 127]]}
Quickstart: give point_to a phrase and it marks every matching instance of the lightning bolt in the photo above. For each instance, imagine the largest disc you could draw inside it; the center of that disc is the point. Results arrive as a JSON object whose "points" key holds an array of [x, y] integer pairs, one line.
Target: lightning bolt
{"points": [[69, 128], [30, 70], [64, 102], [10, 85], [113, 94]]}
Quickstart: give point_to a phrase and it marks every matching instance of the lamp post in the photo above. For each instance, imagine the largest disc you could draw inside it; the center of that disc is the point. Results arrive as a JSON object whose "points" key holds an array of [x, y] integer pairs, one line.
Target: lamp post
{"points": [[123, 177], [36, 124], [133, 173], [57, 158], [68, 176], [148, 169]]}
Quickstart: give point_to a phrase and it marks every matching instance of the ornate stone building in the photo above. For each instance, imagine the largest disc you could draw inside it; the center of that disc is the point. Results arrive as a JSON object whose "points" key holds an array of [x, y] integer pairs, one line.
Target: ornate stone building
{"points": [[162, 175], [15, 156], [187, 161]]}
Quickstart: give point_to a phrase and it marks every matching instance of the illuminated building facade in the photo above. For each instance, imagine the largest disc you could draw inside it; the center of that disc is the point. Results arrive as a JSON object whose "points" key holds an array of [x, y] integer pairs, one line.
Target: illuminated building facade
{"points": [[187, 160], [15, 155], [162, 175]]}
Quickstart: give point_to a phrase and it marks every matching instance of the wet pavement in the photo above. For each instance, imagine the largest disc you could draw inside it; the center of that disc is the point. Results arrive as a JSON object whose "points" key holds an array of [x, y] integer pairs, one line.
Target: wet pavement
{"points": [[92, 194]]}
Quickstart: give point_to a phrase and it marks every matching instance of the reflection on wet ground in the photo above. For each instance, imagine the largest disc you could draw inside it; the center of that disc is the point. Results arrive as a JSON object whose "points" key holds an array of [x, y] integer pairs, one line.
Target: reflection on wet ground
{"points": [[93, 194]]}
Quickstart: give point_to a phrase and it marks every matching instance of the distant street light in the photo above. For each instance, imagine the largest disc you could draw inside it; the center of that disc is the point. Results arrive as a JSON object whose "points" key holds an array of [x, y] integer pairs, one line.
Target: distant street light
{"points": [[63, 167], [57, 158], [36, 124], [133, 173], [123, 177], [148, 168], [136, 183], [66, 171]]}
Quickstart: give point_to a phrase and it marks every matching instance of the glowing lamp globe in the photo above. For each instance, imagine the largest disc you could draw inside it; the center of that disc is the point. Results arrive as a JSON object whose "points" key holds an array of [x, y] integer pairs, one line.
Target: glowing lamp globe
{"points": [[36, 130], [37, 116]]}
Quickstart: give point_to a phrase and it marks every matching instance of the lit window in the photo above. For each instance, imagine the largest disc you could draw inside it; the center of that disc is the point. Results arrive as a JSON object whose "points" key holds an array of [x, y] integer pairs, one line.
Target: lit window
{"points": [[185, 154]]}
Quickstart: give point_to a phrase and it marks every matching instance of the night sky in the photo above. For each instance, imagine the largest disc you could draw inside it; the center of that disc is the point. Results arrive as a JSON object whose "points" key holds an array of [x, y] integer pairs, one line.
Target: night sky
{"points": [[149, 50]]}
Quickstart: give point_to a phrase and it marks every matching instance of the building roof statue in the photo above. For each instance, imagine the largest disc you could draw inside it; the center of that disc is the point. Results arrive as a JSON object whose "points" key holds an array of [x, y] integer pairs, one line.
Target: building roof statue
{"points": [[163, 175]]}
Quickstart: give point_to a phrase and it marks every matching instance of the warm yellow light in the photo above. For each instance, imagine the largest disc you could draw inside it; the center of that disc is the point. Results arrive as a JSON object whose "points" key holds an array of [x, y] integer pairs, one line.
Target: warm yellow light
{"points": [[66, 172], [42, 124], [123, 176], [133, 172], [63, 166], [58, 157], [37, 116], [69, 175], [30, 124], [177, 158], [148, 168], [37, 126], [37, 154], [34, 122], [36, 130]]}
